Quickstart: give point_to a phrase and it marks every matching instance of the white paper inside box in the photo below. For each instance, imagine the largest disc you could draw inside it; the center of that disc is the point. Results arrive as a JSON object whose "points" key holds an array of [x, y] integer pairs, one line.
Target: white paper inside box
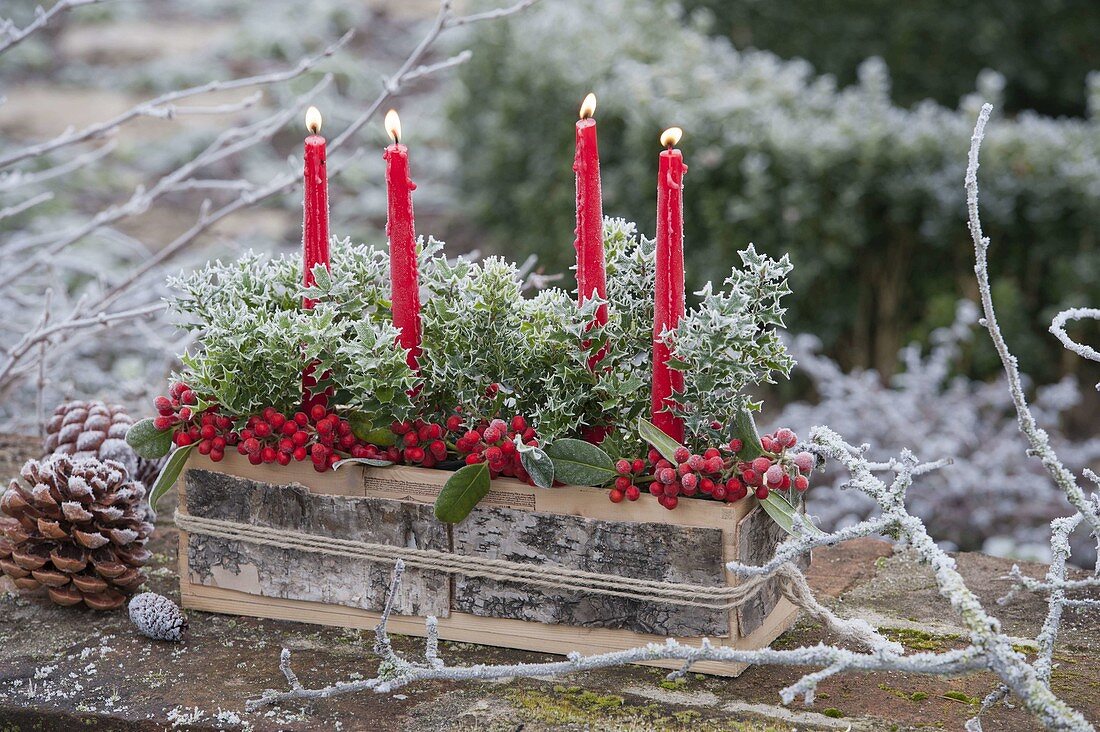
{"points": [[285, 556]]}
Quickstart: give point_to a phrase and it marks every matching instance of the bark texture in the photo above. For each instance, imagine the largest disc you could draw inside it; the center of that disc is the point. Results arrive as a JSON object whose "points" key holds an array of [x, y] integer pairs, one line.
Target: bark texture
{"points": [[641, 550], [296, 575], [757, 537]]}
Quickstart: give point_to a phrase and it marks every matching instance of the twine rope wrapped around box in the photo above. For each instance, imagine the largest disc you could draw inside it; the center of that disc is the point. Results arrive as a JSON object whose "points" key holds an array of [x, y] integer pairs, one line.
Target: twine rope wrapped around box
{"points": [[791, 582]]}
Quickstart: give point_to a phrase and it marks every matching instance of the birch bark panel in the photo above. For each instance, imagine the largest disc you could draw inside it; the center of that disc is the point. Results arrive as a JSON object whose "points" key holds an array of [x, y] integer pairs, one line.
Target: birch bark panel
{"points": [[654, 551], [299, 575], [757, 537]]}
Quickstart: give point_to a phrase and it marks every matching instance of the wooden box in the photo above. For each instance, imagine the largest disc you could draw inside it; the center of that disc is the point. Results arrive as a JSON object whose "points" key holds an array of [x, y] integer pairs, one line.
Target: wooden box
{"points": [[573, 527]]}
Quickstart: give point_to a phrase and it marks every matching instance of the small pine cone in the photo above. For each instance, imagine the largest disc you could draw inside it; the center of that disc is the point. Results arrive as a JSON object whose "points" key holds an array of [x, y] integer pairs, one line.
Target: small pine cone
{"points": [[77, 528], [97, 430], [157, 617]]}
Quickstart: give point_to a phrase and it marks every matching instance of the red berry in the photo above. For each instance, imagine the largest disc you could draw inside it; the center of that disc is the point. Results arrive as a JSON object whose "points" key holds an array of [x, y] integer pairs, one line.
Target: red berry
{"points": [[414, 454], [473, 458], [347, 441], [656, 489], [653, 456], [268, 454], [736, 445], [667, 476], [324, 427], [801, 483], [494, 454], [670, 502], [301, 418], [162, 423], [786, 484], [218, 443], [672, 489], [176, 389], [491, 434], [682, 454], [720, 492], [276, 421], [185, 414], [299, 438], [217, 455], [690, 482], [454, 423], [207, 432], [317, 412], [268, 413], [683, 469], [162, 404], [622, 482], [706, 485], [632, 493], [623, 467], [804, 461], [762, 492], [616, 495], [774, 476], [318, 452], [283, 458], [750, 476], [768, 444], [288, 428], [519, 424], [696, 462], [714, 464], [786, 438], [255, 458], [662, 464], [761, 465], [182, 439], [205, 447], [438, 449], [262, 429], [508, 447], [637, 466], [188, 397], [300, 453]]}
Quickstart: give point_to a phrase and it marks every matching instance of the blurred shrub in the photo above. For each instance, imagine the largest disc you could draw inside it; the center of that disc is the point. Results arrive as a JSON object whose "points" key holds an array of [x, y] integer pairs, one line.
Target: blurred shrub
{"points": [[866, 196], [934, 48]]}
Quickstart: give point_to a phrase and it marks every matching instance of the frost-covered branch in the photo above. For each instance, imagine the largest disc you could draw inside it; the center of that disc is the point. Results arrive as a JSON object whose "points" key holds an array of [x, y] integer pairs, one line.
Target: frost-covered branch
{"points": [[165, 106], [1058, 328], [11, 36], [1036, 435]]}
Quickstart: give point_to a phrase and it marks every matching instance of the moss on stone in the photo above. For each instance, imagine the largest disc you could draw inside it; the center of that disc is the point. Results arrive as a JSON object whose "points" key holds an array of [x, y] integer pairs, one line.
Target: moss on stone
{"points": [[962, 697], [920, 640], [832, 712], [914, 696]]}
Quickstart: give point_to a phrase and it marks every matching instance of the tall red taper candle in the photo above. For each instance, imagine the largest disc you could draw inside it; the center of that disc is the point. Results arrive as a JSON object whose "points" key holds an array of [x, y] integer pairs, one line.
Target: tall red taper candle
{"points": [[591, 272], [669, 291], [404, 280], [314, 228]]}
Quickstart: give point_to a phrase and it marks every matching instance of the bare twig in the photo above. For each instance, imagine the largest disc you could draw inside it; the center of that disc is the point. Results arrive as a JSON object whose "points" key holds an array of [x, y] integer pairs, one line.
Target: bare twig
{"points": [[28, 204]]}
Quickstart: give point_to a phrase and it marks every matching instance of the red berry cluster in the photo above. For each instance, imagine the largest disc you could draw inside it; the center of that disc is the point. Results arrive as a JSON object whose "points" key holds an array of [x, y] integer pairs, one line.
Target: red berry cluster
{"points": [[422, 443], [717, 472], [494, 443], [176, 409], [629, 471]]}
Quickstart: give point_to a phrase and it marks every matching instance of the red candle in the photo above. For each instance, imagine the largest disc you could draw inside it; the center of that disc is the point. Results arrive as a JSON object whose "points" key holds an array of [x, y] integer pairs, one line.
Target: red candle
{"points": [[668, 305], [404, 280], [314, 228], [591, 273]]}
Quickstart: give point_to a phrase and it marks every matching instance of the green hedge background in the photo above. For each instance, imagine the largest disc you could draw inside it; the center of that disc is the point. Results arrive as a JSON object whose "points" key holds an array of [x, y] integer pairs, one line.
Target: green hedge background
{"points": [[865, 193]]}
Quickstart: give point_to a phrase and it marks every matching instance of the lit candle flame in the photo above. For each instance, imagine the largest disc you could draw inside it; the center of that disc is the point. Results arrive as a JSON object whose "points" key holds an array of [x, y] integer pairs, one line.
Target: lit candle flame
{"points": [[313, 120], [671, 136], [588, 106], [393, 125]]}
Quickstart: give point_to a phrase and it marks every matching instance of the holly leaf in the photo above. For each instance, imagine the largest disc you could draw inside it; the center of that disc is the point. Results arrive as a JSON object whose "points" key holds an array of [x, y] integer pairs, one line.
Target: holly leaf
{"points": [[577, 462], [461, 493], [744, 429], [655, 436], [363, 428], [537, 463], [169, 473], [373, 462], [783, 513], [147, 441]]}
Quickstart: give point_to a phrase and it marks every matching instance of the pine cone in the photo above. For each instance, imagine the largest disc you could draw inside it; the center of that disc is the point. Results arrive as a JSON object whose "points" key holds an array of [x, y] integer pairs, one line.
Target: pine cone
{"points": [[77, 527], [97, 430], [157, 617]]}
